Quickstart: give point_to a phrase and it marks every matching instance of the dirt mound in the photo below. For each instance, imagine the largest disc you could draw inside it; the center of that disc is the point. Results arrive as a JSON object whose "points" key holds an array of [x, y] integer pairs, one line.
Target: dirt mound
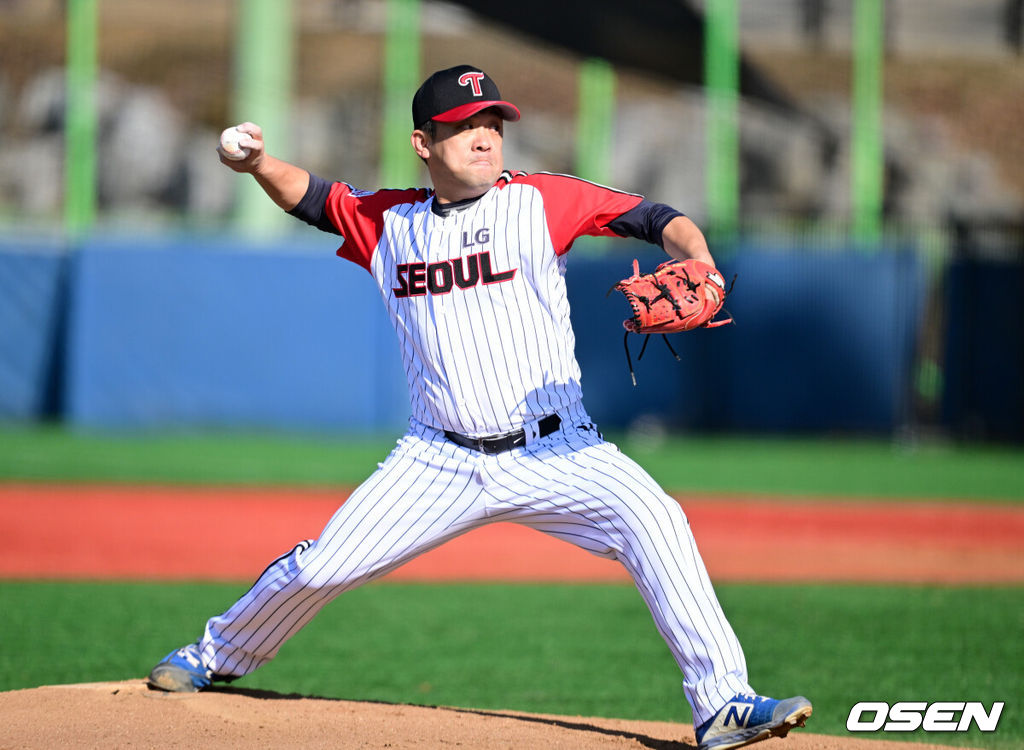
{"points": [[128, 714]]}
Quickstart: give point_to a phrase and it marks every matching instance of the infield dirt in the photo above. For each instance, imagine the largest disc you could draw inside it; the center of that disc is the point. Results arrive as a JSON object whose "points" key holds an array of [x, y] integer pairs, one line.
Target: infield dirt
{"points": [[101, 716], [126, 532]]}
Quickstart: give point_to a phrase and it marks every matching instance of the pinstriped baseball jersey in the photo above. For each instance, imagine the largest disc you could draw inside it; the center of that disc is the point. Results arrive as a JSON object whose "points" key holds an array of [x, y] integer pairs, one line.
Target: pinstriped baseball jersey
{"points": [[476, 293]]}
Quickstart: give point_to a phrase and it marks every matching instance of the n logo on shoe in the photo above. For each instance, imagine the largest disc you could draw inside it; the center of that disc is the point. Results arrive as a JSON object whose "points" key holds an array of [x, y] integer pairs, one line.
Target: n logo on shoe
{"points": [[737, 718]]}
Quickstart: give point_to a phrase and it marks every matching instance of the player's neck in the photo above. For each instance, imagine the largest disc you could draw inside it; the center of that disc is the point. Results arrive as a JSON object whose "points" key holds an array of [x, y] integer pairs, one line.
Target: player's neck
{"points": [[462, 194], [446, 207]]}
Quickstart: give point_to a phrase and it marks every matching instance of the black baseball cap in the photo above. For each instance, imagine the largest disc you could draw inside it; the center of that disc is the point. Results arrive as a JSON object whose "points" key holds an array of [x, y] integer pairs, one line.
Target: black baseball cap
{"points": [[454, 94]]}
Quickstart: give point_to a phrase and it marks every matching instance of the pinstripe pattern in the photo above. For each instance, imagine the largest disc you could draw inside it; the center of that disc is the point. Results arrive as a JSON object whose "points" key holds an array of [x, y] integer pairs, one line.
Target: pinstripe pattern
{"points": [[488, 348], [571, 485], [488, 358]]}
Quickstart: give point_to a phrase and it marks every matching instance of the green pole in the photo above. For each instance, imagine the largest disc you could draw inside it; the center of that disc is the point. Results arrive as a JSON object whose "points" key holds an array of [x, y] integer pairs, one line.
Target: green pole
{"points": [[595, 120], [722, 80], [81, 118], [399, 165], [263, 84], [867, 159]]}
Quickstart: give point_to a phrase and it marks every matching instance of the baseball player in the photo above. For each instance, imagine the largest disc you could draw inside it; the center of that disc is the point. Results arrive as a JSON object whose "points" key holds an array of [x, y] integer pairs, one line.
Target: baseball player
{"points": [[472, 273]]}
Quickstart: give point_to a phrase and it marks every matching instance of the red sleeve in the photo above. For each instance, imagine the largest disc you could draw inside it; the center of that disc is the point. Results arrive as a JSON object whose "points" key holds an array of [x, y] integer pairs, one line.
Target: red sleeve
{"points": [[574, 207], [359, 217]]}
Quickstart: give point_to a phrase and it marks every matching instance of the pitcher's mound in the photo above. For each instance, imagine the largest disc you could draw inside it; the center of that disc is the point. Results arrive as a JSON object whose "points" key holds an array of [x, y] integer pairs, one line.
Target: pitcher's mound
{"points": [[106, 715]]}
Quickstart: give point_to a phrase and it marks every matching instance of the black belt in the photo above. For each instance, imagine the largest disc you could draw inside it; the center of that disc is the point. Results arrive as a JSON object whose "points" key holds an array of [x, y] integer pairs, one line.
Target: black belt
{"points": [[506, 441]]}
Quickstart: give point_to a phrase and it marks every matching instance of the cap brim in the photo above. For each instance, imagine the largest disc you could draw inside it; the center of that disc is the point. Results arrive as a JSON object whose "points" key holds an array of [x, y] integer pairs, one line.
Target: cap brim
{"points": [[508, 111]]}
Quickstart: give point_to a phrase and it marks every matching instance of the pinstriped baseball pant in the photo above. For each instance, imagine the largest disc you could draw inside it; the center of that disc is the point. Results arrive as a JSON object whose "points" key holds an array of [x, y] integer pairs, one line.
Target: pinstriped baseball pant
{"points": [[571, 484]]}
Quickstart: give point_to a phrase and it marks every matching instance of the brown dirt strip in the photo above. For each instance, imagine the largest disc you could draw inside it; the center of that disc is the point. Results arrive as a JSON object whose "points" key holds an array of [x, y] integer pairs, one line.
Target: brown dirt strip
{"points": [[100, 716], [201, 533]]}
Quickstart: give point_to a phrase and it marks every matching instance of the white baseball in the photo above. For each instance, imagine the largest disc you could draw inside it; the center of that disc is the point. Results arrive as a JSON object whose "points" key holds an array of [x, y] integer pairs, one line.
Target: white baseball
{"points": [[229, 144]]}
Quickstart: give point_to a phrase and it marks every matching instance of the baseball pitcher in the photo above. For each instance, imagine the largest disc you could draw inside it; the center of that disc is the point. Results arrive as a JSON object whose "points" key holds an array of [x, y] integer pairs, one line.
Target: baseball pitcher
{"points": [[472, 273]]}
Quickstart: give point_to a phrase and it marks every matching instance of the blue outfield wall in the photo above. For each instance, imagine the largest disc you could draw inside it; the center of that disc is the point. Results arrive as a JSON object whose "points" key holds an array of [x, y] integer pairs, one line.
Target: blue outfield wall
{"points": [[186, 333], [33, 279], [820, 342], [985, 327], [200, 334]]}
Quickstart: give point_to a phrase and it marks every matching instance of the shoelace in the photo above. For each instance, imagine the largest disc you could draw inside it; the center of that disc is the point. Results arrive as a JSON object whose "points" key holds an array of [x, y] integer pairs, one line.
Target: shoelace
{"points": [[190, 657], [755, 699], [647, 337]]}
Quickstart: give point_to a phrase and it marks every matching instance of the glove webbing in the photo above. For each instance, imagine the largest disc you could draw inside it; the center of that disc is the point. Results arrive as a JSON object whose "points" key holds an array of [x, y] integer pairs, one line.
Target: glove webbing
{"points": [[666, 293], [662, 287]]}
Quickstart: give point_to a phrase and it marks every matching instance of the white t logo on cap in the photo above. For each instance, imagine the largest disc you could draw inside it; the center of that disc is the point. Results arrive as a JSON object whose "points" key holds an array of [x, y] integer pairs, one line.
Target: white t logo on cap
{"points": [[472, 79]]}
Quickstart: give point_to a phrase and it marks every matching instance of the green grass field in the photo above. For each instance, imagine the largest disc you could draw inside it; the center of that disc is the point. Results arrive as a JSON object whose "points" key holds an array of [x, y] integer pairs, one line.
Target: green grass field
{"points": [[800, 467], [572, 649]]}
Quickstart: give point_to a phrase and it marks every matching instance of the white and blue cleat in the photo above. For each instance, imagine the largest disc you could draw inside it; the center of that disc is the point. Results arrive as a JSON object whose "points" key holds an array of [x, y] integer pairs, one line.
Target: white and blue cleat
{"points": [[181, 671], [749, 718]]}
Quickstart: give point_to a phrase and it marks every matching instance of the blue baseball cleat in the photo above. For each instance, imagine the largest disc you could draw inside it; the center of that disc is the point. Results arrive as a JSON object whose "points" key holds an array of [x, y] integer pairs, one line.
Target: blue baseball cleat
{"points": [[181, 671], [750, 718]]}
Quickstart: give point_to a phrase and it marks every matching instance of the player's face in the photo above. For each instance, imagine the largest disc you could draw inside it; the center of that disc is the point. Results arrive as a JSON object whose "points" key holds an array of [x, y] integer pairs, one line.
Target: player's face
{"points": [[464, 158]]}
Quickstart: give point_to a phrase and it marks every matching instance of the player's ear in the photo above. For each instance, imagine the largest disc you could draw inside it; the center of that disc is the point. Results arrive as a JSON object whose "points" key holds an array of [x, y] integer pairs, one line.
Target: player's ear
{"points": [[421, 144]]}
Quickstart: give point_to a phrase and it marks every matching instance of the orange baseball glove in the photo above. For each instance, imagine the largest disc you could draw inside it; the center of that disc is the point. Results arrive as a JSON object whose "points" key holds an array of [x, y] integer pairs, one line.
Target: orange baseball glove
{"points": [[677, 296]]}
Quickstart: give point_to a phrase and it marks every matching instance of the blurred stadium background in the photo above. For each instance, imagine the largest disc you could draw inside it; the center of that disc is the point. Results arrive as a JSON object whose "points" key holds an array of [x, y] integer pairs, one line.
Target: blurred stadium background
{"points": [[859, 164]]}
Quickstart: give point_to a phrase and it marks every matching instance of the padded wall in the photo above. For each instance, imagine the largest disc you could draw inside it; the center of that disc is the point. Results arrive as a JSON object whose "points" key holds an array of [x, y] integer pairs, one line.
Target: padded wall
{"points": [[199, 333], [32, 296], [821, 341], [196, 334]]}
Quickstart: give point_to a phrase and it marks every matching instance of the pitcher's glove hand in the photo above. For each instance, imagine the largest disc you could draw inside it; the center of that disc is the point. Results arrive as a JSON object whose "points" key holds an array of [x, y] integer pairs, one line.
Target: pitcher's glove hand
{"points": [[677, 296]]}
